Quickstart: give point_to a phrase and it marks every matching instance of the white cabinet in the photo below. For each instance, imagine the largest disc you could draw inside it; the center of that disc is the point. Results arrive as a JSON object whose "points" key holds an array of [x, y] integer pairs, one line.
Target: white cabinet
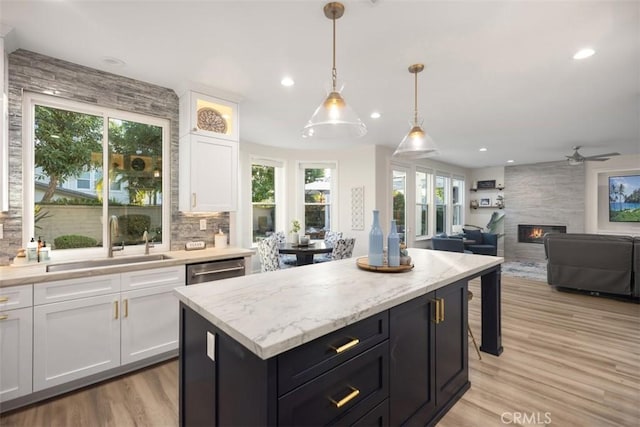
{"points": [[206, 115], [16, 331], [208, 166], [208, 174], [149, 323], [75, 338], [99, 323]]}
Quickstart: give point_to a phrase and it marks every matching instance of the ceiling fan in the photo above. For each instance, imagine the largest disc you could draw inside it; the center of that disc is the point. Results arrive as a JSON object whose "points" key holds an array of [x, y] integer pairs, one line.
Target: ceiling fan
{"points": [[577, 158]]}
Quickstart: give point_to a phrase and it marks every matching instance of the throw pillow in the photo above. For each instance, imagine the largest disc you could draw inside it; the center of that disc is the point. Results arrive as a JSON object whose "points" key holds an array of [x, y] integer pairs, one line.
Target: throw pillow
{"points": [[475, 235]]}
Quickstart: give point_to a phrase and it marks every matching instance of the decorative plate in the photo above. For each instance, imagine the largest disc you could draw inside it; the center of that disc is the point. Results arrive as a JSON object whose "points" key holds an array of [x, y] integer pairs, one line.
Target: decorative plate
{"points": [[363, 263], [211, 120]]}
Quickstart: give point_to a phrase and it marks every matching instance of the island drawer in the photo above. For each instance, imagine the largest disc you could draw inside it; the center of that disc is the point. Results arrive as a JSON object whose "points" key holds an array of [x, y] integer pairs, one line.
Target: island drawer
{"points": [[306, 362], [342, 395]]}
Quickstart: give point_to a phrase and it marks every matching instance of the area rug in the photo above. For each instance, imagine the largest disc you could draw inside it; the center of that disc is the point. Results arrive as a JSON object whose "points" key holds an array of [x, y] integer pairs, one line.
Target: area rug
{"points": [[533, 270]]}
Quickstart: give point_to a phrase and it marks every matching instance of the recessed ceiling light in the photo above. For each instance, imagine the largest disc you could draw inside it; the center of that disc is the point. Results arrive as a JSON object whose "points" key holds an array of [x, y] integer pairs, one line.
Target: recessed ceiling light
{"points": [[510, 161], [375, 115], [483, 149], [287, 81], [112, 61], [584, 53]]}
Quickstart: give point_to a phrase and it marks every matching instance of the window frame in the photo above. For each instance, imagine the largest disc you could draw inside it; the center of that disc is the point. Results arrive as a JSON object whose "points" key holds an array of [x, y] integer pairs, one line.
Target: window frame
{"points": [[461, 202], [429, 181], [279, 192], [30, 100], [333, 191]]}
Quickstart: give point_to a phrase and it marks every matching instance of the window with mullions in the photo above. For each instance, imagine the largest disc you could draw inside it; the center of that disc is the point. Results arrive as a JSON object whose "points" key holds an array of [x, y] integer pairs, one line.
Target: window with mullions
{"points": [[457, 202], [79, 154], [263, 200], [318, 188], [441, 201], [423, 197], [399, 198]]}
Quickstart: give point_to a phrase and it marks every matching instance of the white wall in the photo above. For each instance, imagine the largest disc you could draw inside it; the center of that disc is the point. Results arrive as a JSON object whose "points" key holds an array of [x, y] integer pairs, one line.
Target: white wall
{"points": [[597, 196]]}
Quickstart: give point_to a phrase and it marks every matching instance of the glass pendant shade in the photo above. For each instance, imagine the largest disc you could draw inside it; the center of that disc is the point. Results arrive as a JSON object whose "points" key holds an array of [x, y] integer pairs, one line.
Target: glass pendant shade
{"points": [[334, 119], [416, 144]]}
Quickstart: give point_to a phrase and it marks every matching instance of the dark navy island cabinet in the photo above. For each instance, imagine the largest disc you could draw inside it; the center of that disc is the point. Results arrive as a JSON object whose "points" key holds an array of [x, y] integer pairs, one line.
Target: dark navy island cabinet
{"points": [[404, 366]]}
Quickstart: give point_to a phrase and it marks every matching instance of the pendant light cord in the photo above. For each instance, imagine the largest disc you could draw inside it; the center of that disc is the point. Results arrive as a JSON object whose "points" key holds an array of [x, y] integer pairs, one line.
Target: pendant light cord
{"points": [[415, 100], [334, 73]]}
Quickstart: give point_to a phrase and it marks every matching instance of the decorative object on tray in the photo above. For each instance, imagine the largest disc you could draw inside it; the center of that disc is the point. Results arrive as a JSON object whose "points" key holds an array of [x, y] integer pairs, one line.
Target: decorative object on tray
{"points": [[210, 119], [376, 239], [405, 259], [393, 245], [363, 263]]}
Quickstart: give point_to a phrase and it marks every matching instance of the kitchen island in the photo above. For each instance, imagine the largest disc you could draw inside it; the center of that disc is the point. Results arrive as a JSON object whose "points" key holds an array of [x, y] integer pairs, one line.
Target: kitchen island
{"points": [[332, 344]]}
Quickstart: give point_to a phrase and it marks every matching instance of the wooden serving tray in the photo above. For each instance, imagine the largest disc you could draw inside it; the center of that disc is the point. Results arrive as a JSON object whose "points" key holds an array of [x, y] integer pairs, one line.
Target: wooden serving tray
{"points": [[363, 263]]}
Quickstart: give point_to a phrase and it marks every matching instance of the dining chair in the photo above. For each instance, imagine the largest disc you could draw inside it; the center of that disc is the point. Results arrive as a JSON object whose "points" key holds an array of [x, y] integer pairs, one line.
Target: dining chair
{"points": [[286, 260], [330, 239], [343, 248], [268, 254]]}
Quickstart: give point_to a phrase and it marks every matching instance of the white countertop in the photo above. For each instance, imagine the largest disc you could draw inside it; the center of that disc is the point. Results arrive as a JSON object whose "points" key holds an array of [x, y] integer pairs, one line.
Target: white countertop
{"points": [[270, 313], [36, 273]]}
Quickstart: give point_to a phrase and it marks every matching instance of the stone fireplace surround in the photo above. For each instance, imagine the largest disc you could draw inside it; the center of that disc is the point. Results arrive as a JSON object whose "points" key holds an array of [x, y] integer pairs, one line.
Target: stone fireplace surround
{"points": [[543, 193]]}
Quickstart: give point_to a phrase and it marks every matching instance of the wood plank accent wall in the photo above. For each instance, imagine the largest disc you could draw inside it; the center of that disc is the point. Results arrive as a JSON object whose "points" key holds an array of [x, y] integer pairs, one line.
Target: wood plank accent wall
{"points": [[29, 71], [550, 193]]}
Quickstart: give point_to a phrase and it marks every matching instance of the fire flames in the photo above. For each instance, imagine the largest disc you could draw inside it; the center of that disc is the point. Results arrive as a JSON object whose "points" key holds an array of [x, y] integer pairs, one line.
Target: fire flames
{"points": [[536, 233]]}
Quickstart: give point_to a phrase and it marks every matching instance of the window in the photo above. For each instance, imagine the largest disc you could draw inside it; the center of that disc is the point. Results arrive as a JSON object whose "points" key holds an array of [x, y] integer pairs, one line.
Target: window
{"points": [[441, 199], [265, 183], [319, 190], [80, 153], [423, 196], [399, 196], [457, 201]]}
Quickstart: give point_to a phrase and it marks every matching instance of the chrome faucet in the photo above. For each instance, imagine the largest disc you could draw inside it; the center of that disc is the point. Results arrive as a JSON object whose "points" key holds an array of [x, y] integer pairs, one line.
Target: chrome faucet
{"points": [[113, 230], [147, 245]]}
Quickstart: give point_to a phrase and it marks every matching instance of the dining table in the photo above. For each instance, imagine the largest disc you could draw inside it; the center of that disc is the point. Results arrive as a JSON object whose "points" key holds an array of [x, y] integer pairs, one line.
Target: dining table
{"points": [[305, 253]]}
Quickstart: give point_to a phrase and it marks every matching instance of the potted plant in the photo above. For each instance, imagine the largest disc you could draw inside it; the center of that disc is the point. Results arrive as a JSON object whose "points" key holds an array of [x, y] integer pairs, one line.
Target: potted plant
{"points": [[293, 234]]}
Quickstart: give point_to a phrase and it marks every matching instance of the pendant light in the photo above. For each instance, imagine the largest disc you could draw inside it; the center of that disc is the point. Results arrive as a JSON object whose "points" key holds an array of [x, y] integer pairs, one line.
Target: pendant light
{"points": [[416, 144], [334, 118]]}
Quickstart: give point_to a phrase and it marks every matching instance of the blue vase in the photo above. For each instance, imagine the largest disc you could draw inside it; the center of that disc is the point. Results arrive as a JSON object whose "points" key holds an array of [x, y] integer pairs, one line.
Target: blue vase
{"points": [[376, 240], [393, 245]]}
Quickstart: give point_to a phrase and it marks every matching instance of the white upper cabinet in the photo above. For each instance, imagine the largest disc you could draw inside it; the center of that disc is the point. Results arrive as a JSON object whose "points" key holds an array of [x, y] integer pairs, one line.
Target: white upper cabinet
{"points": [[208, 165], [205, 115]]}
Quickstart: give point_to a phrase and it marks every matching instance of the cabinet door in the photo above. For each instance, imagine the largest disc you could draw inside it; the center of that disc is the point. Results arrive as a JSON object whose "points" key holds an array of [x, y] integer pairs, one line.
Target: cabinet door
{"points": [[208, 174], [451, 345], [412, 380], [209, 116], [16, 328], [73, 339], [149, 322]]}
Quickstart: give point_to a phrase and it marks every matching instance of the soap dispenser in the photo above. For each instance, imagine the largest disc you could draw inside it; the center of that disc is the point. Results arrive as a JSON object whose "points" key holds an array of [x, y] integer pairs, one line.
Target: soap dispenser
{"points": [[32, 250]]}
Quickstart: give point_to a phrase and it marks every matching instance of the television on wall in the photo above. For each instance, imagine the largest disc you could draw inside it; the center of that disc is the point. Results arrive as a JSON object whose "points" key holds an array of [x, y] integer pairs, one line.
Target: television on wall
{"points": [[624, 198]]}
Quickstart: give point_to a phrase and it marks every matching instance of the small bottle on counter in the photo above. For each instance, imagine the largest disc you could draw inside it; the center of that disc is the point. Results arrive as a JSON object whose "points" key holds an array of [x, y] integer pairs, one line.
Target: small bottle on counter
{"points": [[32, 250], [44, 252]]}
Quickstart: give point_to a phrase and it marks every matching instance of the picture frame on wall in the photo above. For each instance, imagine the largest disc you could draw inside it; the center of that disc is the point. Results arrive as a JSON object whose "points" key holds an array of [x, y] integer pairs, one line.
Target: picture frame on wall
{"points": [[485, 201], [487, 184]]}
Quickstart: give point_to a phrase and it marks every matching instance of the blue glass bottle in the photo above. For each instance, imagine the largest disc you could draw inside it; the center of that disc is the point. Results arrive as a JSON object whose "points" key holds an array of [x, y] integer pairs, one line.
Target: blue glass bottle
{"points": [[393, 245], [376, 240]]}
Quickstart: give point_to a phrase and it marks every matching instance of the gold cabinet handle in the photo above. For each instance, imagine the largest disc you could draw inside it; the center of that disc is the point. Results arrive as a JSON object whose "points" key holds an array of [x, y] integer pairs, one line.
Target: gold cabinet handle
{"points": [[126, 308], [4, 317], [436, 316], [115, 304], [340, 403], [347, 346], [4, 299], [441, 309]]}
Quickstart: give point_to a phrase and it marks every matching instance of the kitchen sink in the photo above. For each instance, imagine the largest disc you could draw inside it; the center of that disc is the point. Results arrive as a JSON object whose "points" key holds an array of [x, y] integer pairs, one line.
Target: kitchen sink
{"points": [[104, 262]]}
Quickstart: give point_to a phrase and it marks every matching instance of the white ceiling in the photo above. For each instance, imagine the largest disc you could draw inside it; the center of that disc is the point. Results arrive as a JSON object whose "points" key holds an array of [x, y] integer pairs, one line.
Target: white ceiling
{"points": [[499, 74]]}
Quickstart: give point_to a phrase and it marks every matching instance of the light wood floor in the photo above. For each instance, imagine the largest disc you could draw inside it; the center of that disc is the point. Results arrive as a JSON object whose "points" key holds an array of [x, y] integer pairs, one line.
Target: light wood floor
{"points": [[569, 360]]}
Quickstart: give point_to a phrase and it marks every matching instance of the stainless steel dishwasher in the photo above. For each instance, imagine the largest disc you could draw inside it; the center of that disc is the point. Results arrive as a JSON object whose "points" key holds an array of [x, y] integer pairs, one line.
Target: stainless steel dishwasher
{"points": [[214, 270]]}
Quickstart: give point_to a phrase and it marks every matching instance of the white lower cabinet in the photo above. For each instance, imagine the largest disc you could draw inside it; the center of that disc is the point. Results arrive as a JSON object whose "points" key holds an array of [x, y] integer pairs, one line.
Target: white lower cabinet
{"points": [[86, 335], [73, 339], [16, 328], [149, 323]]}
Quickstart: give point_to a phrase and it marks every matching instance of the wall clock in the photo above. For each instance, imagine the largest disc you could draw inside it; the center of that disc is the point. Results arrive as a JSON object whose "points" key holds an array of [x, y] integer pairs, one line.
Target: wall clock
{"points": [[211, 120]]}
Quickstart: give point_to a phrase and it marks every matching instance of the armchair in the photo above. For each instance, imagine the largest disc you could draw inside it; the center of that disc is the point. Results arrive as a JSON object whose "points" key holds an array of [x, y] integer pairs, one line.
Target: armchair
{"points": [[484, 243]]}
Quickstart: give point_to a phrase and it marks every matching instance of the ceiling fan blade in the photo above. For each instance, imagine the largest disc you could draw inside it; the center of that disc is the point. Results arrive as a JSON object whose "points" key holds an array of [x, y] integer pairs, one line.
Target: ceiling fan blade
{"points": [[602, 155], [596, 159]]}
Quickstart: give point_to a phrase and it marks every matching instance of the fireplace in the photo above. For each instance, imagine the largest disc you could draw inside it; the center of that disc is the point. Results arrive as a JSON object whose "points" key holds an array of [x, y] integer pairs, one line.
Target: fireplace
{"points": [[528, 233]]}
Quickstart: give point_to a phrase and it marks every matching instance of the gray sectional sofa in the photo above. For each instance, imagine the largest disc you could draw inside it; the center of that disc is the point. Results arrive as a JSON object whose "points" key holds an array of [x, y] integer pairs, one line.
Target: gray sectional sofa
{"points": [[593, 262]]}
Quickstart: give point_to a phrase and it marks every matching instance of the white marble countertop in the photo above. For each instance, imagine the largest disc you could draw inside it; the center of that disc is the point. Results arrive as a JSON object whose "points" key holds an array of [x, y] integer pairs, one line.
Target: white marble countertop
{"points": [[36, 273], [270, 313]]}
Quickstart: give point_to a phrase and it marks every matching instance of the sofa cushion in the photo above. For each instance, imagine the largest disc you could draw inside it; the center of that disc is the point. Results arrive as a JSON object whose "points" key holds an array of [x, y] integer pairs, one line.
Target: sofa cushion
{"points": [[475, 235]]}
